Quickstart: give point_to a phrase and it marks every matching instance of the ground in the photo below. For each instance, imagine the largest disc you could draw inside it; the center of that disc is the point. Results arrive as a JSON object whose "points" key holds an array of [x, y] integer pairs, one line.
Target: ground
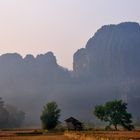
{"points": [[35, 134], [55, 137], [13, 135]]}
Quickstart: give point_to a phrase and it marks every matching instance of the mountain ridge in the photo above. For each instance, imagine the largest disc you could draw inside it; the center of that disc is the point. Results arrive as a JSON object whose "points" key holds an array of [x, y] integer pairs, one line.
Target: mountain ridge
{"points": [[106, 69]]}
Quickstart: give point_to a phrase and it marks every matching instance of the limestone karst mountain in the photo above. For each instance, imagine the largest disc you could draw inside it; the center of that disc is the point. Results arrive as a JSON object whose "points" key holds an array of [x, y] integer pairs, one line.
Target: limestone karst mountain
{"points": [[112, 52], [107, 68], [111, 59]]}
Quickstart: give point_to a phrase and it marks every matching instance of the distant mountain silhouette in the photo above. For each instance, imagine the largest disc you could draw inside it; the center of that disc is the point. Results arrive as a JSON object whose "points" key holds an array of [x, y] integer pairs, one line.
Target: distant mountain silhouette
{"points": [[111, 58], [107, 68]]}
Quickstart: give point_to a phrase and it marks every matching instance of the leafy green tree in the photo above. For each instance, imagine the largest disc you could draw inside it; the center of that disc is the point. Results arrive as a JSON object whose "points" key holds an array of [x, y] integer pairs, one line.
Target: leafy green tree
{"points": [[1, 102], [16, 117], [4, 115], [50, 116], [115, 113], [10, 117]]}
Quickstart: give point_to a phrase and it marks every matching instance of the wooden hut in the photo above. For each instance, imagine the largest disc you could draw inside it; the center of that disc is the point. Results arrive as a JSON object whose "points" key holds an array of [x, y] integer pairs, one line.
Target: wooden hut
{"points": [[73, 124]]}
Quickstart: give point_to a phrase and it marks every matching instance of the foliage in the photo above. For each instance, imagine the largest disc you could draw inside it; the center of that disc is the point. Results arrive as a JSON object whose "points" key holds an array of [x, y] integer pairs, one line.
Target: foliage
{"points": [[1, 102], [10, 117], [50, 116], [115, 113], [16, 117], [4, 115]]}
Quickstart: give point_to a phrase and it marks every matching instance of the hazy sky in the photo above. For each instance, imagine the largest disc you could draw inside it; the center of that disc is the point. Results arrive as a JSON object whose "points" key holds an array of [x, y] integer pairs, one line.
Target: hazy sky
{"points": [[61, 26]]}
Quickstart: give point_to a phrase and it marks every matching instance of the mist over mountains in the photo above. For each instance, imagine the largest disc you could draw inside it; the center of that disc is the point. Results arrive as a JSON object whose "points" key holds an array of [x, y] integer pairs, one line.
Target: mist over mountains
{"points": [[107, 68]]}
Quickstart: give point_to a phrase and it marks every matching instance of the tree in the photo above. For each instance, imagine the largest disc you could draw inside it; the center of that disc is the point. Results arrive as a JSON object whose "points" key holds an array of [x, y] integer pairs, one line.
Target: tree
{"points": [[50, 116], [10, 117], [1, 102], [4, 115], [16, 117], [115, 113]]}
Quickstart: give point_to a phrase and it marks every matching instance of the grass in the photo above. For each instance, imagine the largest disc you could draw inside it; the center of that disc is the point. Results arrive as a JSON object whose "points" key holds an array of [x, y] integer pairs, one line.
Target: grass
{"points": [[30, 134], [55, 137], [34, 134], [104, 135]]}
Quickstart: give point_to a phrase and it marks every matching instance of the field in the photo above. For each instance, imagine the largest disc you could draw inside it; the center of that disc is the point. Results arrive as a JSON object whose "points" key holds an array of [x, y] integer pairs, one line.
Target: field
{"points": [[105, 135], [87, 135], [30, 135], [55, 137]]}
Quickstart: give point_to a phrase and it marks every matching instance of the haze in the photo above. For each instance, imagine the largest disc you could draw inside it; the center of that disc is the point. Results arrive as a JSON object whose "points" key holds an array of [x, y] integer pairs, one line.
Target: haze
{"points": [[61, 26]]}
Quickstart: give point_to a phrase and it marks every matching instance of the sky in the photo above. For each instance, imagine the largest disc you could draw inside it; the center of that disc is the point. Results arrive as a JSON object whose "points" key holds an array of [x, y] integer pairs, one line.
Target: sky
{"points": [[61, 26]]}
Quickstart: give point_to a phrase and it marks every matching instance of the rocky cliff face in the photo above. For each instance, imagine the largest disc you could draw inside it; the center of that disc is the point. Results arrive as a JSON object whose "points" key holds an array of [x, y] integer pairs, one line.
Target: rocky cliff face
{"points": [[111, 59], [113, 52], [29, 82], [107, 68]]}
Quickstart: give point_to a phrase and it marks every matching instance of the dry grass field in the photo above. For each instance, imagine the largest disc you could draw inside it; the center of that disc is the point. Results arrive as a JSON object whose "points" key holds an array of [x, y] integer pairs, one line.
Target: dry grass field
{"points": [[12, 135], [104, 135], [55, 137]]}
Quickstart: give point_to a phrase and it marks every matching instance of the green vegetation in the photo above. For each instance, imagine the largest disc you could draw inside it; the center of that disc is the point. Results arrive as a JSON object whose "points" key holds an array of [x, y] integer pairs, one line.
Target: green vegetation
{"points": [[16, 117], [115, 113], [50, 116], [3, 115], [10, 117]]}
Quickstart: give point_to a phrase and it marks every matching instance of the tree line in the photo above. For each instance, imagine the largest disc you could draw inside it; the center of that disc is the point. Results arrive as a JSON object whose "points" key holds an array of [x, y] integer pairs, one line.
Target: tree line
{"points": [[10, 116], [112, 112]]}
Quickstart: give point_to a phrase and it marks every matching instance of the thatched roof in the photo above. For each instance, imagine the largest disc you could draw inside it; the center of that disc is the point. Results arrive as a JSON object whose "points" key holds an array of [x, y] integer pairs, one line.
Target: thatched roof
{"points": [[73, 120]]}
